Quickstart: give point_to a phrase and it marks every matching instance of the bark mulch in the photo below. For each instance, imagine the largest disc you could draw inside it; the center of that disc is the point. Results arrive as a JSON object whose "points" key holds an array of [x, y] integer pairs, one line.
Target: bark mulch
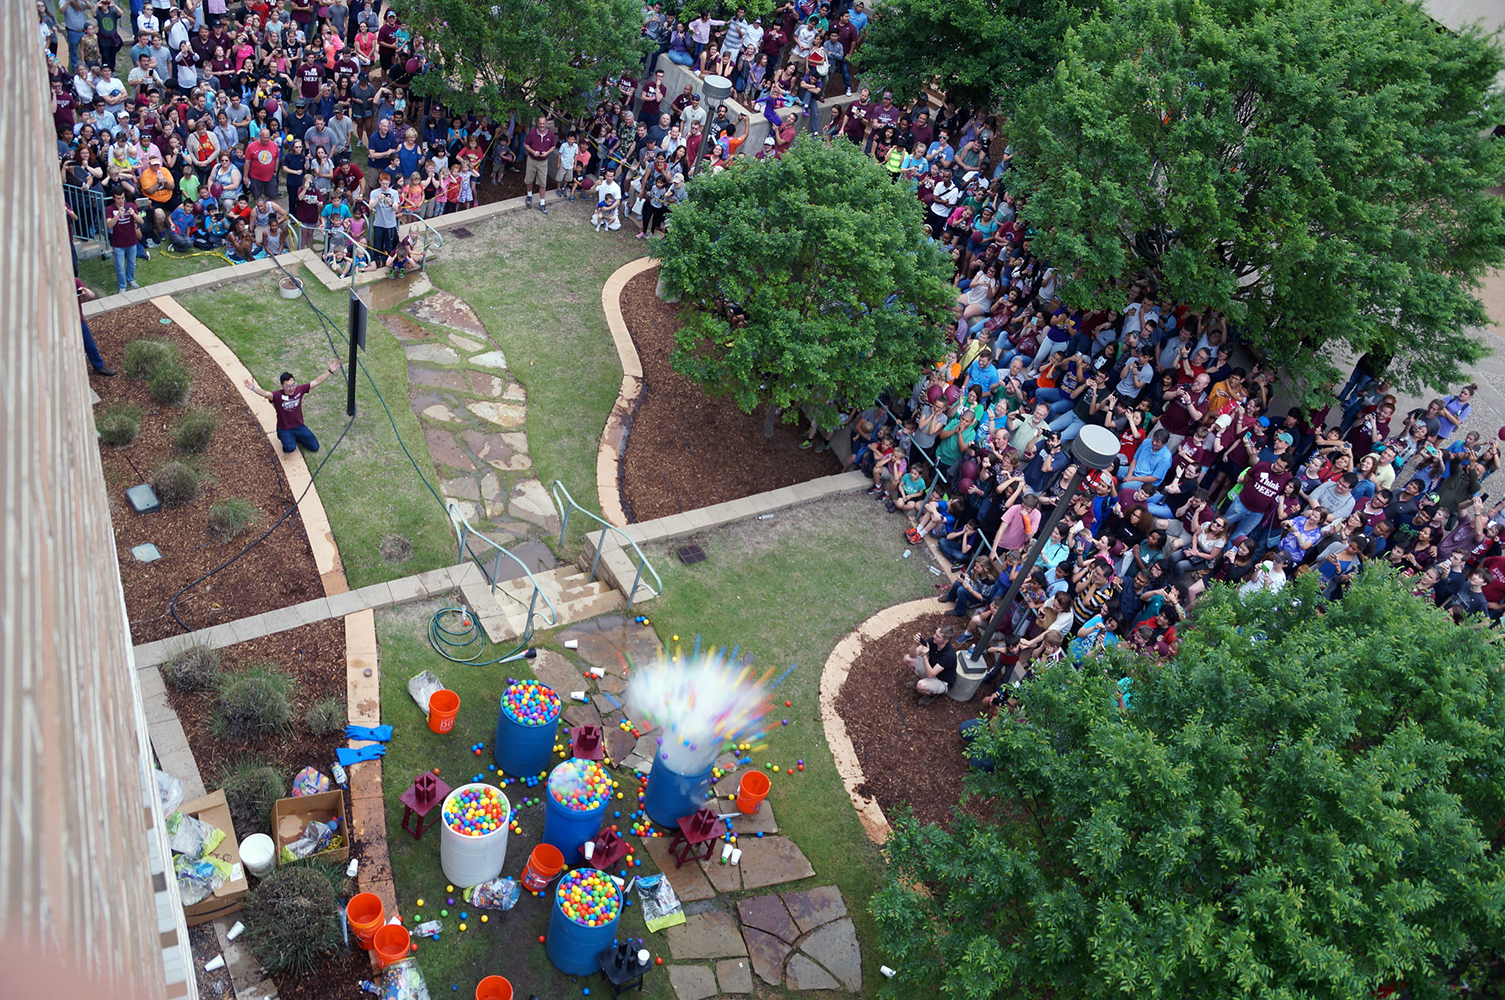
{"points": [[685, 449], [238, 463], [911, 755]]}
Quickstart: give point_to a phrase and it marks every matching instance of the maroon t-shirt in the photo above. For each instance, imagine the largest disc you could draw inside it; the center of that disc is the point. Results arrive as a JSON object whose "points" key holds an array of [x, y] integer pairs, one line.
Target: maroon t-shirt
{"points": [[541, 140], [1262, 488], [309, 77], [122, 226], [289, 407]]}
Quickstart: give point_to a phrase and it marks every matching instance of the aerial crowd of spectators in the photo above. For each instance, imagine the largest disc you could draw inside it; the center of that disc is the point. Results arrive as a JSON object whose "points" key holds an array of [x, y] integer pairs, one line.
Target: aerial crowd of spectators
{"points": [[245, 132]]}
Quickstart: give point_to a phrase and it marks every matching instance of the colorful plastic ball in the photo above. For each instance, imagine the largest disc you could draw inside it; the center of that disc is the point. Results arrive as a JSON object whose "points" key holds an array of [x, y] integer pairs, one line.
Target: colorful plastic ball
{"points": [[462, 927]]}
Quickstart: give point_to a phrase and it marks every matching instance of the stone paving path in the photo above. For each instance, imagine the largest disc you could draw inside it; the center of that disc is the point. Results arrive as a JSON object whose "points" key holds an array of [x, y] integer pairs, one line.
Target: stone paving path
{"points": [[474, 417]]}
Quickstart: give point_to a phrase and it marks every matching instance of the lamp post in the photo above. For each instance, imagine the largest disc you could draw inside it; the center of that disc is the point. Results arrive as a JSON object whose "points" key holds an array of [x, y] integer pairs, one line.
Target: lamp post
{"points": [[1094, 448], [716, 90]]}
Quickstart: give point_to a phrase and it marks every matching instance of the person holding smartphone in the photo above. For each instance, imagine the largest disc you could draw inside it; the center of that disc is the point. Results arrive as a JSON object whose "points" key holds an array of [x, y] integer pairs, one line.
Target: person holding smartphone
{"points": [[125, 235]]}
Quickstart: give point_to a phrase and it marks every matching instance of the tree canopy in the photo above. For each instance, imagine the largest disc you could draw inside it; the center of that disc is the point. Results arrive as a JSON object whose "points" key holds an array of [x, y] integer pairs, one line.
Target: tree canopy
{"points": [[523, 57], [1306, 803], [844, 297], [1317, 169]]}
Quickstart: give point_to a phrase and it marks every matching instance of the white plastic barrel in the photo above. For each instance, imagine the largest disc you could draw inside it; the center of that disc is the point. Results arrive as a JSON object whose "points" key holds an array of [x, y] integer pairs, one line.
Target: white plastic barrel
{"points": [[258, 854], [469, 861]]}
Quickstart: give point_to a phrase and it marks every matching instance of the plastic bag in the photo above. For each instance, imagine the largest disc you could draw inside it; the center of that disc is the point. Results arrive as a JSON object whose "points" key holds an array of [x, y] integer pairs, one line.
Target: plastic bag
{"points": [[403, 981], [170, 791], [316, 839], [197, 880], [498, 894], [660, 905], [422, 687], [192, 838], [310, 781]]}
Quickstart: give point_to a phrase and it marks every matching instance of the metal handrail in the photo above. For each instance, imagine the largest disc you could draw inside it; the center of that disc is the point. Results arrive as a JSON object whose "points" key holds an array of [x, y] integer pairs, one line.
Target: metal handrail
{"points": [[433, 241], [464, 530], [565, 503]]}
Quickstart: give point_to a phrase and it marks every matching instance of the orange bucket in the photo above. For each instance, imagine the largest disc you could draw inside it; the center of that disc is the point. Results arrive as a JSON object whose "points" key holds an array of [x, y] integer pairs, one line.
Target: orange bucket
{"points": [[543, 864], [751, 791], [494, 988], [443, 704], [391, 944], [366, 916]]}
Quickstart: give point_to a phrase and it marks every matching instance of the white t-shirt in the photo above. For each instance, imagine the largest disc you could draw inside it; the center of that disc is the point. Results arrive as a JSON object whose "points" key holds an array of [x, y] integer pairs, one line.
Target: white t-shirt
{"points": [[608, 188]]}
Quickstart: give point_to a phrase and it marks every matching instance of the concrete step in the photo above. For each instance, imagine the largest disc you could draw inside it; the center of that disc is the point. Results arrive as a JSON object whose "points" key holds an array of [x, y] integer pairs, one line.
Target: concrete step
{"points": [[503, 613]]}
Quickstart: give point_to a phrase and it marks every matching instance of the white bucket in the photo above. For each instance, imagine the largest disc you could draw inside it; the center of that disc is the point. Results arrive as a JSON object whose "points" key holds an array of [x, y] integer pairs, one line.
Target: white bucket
{"points": [[469, 861], [258, 854]]}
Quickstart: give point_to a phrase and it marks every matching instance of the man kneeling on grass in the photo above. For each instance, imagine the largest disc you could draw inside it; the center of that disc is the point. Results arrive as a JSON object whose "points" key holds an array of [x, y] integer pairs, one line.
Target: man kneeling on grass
{"points": [[933, 662], [288, 401]]}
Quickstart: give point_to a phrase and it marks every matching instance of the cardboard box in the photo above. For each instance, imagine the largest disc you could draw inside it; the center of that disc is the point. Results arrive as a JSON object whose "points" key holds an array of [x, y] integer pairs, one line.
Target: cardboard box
{"points": [[213, 809], [291, 815]]}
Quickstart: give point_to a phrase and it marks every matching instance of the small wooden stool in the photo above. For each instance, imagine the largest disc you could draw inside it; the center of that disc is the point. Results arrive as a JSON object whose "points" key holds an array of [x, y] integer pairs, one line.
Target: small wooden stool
{"points": [[426, 792], [696, 832]]}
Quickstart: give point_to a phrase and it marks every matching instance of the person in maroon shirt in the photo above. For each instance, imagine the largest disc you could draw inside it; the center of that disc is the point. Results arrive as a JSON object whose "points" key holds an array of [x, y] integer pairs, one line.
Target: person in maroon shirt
{"points": [[538, 143], [288, 402]]}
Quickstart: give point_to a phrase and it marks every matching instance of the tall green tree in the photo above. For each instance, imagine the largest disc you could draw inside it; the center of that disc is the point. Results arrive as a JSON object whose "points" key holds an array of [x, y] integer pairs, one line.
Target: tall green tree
{"points": [[844, 296], [983, 52], [1305, 805], [523, 56], [1317, 169]]}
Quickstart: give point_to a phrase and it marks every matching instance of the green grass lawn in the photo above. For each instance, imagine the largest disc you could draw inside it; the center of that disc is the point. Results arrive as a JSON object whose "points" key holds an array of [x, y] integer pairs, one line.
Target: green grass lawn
{"points": [[787, 590], [99, 274], [369, 488], [535, 281]]}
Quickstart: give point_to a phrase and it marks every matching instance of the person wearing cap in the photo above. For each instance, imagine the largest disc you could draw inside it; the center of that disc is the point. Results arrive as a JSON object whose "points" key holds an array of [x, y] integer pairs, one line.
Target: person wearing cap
{"points": [[752, 38], [694, 113], [387, 42], [767, 152]]}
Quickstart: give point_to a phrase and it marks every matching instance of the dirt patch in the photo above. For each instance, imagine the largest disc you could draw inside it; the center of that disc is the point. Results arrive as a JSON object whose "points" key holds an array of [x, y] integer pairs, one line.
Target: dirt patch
{"points": [[911, 755], [314, 656], [685, 449], [237, 464], [395, 549]]}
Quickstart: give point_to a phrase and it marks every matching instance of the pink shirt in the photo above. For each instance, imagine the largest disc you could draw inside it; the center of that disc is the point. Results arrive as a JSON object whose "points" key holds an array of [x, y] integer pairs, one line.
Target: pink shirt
{"points": [[1019, 524]]}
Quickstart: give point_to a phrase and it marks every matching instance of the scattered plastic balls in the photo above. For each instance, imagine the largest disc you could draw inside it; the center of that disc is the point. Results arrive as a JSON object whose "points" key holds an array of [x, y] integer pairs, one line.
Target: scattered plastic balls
{"points": [[475, 812], [589, 898], [531, 703]]}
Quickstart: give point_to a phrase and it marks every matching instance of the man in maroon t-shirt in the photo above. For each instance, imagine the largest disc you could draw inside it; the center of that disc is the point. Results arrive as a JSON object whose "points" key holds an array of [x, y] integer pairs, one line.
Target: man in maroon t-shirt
{"points": [[1184, 409], [538, 143], [1262, 486], [288, 402]]}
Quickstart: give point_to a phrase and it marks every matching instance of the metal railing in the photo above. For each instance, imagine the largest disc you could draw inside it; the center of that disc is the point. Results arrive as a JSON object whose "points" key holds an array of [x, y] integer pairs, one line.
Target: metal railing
{"points": [[88, 219], [465, 532], [565, 503]]}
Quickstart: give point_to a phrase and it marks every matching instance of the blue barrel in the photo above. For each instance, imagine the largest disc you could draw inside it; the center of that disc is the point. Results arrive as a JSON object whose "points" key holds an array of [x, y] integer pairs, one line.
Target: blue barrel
{"points": [[574, 948], [671, 795], [525, 742], [566, 826]]}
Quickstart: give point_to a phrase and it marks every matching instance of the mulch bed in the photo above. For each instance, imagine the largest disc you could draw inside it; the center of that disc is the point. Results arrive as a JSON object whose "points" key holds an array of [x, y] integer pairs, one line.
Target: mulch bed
{"points": [[314, 655], [238, 463], [911, 755], [686, 450]]}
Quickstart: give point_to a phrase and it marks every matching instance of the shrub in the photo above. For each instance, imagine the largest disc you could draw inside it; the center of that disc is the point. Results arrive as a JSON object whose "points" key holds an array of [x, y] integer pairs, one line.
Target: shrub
{"points": [[250, 788], [325, 716], [170, 384], [255, 703], [291, 918], [143, 357], [229, 518], [176, 484], [194, 429], [118, 424], [194, 669]]}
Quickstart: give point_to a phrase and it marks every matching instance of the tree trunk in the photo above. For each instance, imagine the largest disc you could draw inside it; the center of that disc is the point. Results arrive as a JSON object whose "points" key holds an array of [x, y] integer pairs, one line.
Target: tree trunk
{"points": [[771, 420]]}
